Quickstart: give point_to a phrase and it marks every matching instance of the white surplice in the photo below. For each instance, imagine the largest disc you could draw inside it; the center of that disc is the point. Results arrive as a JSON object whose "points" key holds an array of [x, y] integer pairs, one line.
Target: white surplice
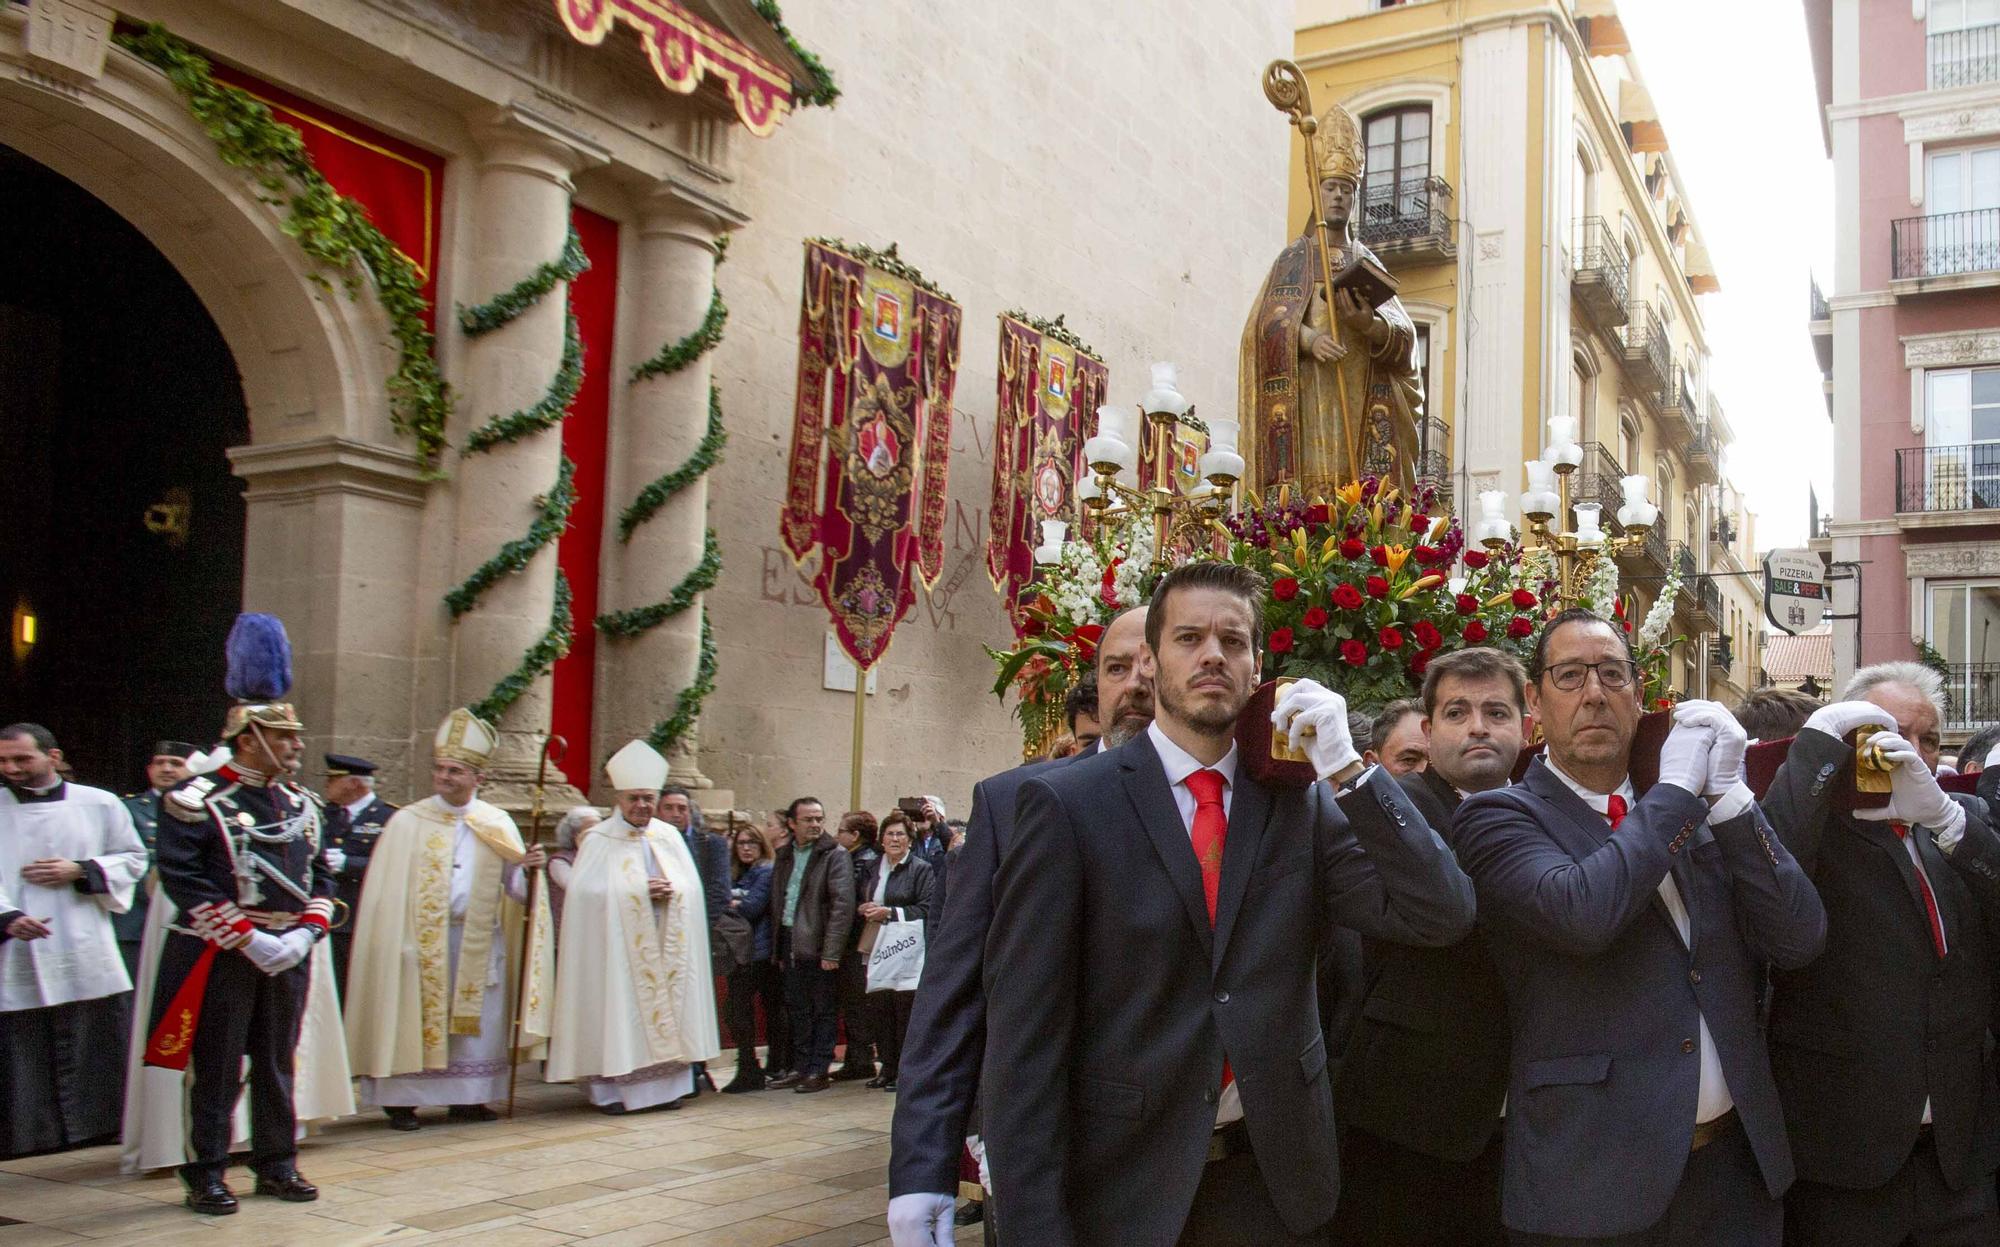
{"points": [[635, 1000], [79, 960]]}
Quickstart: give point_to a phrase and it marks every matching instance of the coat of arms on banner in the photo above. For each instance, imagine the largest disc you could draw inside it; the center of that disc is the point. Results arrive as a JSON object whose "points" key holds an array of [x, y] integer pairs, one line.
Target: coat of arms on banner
{"points": [[871, 438], [1050, 386]]}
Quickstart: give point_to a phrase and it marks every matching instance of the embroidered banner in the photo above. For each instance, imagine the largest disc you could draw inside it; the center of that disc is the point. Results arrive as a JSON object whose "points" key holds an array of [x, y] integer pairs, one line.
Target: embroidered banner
{"points": [[871, 439], [683, 48], [1050, 388]]}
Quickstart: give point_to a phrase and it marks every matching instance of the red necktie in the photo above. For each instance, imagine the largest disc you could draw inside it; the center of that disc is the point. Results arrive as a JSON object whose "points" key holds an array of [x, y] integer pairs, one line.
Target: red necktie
{"points": [[1930, 900], [1211, 829], [1614, 809]]}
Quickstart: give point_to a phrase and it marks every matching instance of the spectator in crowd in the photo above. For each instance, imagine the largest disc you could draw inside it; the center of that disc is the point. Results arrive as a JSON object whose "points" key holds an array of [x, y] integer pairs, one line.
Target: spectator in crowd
{"points": [[711, 861], [1063, 746], [778, 830], [1362, 728], [857, 834], [898, 889], [812, 887], [750, 859], [1080, 714], [1400, 743], [1774, 713], [576, 823], [1972, 754]]}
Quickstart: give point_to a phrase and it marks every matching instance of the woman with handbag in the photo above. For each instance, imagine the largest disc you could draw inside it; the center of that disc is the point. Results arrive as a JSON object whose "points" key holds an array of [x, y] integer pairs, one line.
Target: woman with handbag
{"points": [[898, 890], [750, 864]]}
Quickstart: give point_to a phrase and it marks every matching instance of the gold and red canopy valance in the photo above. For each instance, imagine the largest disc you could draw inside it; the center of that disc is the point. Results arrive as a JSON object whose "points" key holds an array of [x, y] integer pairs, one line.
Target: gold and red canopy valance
{"points": [[684, 48]]}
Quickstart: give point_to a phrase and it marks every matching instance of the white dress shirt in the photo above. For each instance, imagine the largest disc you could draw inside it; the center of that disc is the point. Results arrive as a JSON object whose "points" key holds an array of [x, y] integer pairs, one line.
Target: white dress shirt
{"points": [[1180, 764], [1713, 1098]]}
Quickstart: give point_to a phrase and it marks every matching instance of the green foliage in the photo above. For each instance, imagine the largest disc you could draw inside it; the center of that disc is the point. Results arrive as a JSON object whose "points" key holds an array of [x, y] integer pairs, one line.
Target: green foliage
{"points": [[819, 88], [330, 228], [675, 356], [551, 517], [508, 305], [705, 456], [547, 411], [669, 732], [630, 623], [537, 662], [1931, 657]]}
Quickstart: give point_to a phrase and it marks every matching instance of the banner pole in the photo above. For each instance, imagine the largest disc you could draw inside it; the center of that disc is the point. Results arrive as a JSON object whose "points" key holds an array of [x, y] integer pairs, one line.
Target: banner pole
{"points": [[860, 715]]}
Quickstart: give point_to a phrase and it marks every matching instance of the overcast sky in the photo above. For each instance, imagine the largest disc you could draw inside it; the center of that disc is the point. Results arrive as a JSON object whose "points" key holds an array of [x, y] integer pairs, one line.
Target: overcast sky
{"points": [[1733, 83]]}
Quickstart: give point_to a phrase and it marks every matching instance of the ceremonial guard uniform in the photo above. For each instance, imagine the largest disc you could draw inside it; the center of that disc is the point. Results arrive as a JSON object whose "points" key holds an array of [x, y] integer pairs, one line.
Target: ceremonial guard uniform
{"points": [[242, 857], [351, 832]]}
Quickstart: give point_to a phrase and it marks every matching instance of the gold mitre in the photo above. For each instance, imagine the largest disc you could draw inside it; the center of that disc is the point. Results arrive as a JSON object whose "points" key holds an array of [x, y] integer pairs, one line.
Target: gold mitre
{"points": [[1341, 152], [465, 737]]}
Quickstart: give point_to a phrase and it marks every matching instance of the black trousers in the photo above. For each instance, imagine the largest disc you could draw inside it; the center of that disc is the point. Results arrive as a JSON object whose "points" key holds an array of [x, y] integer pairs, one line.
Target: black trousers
{"points": [[892, 1024], [746, 985], [812, 995], [244, 1013], [856, 1014], [1721, 1202], [1394, 1197], [343, 947], [1233, 1208], [1914, 1207]]}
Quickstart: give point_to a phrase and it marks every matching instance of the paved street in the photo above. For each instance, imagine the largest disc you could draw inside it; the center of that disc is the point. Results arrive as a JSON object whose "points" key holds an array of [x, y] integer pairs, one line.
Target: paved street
{"points": [[726, 1171]]}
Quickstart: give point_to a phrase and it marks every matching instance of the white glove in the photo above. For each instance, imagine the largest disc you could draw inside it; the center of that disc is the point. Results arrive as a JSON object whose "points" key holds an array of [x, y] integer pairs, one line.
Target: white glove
{"points": [[1313, 718], [921, 1220], [1914, 795], [1842, 717], [337, 859], [1725, 760], [267, 952], [1685, 758], [298, 944]]}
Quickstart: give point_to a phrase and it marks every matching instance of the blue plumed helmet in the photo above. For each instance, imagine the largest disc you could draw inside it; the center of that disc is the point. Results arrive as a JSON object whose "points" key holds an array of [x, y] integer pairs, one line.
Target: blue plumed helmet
{"points": [[259, 658]]}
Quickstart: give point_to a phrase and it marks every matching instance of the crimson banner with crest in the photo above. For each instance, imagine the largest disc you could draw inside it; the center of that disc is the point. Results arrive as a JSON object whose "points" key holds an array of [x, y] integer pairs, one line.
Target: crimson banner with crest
{"points": [[871, 438], [1050, 388]]}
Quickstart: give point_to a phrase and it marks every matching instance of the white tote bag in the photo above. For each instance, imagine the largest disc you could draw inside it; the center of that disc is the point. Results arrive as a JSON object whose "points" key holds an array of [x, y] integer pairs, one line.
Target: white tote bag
{"points": [[897, 960]]}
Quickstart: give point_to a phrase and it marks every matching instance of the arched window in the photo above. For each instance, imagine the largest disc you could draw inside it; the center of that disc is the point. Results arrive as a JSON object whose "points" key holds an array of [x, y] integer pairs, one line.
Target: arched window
{"points": [[1692, 514], [1399, 160], [1628, 439], [1583, 187], [1583, 393]]}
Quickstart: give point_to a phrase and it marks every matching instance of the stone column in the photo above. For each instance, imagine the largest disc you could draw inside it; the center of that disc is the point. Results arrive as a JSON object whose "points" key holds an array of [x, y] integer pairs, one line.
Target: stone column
{"points": [[519, 221], [657, 424]]}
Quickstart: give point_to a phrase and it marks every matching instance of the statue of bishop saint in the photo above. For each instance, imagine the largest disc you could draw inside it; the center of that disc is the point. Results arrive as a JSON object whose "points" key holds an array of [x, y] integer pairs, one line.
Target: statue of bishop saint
{"points": [[1329, 389]]}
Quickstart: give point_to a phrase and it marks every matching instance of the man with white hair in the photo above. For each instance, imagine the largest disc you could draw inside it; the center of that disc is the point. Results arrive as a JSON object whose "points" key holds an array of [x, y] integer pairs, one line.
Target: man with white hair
{"points": [[635, 1001], [1882, 1047]]}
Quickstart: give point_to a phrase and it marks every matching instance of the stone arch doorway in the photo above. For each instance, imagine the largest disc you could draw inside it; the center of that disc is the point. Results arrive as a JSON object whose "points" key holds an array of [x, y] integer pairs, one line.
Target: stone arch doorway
{"points": [[118, 403]]}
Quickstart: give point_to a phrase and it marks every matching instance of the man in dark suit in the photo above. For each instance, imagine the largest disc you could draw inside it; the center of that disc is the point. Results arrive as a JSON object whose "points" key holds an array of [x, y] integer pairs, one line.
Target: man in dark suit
{"points": [[355, 817], [1883, 1047], [711, 862], [946, 1042], [1154, 1036], [1628, 929], [1421, 1090]]}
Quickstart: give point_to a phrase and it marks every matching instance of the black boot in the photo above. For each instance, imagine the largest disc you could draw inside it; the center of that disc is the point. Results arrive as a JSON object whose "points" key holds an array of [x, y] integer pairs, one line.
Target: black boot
{"points": [[748, 1077]]}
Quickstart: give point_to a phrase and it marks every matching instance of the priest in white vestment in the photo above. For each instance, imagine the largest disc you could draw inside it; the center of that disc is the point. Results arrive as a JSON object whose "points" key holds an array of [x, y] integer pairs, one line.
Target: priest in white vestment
{"points": [[438, 946], [69, 859], [635, 997]]}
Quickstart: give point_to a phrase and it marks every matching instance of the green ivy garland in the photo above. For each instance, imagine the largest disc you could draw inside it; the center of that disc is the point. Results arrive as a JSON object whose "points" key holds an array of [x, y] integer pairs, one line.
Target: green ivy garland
{"points": [[819, 89], [329, 227], [541, 656], [705, 456], [687, 706], [547, 411], [503, 308], [551, 517], [627, 624], [677, 355]]}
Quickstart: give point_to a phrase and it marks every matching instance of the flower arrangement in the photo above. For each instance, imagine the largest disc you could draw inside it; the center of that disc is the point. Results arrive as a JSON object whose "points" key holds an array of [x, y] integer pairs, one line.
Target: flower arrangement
{"points": [[1361, 594]]}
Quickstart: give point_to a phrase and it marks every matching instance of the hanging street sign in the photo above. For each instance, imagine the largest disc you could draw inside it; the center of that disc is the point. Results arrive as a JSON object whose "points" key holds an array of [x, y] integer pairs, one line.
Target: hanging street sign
{"points": [[1794, 590]]}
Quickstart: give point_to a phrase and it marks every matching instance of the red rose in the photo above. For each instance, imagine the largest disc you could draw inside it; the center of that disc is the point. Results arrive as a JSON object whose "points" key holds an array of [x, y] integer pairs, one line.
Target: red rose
{"points": [[1381, 555], [1427, 634], [1352, 548], [1354, 653], [1315, 618], [1419, 525], [1427, 555], [1317, 513], [1475, 559], [1520, 627], [1475, 632], [1347, 597], [1377, 587], [1420, 663], [1524, 600], [1281, 641], [1390, 638], [1285, 589], [1467, 604]]}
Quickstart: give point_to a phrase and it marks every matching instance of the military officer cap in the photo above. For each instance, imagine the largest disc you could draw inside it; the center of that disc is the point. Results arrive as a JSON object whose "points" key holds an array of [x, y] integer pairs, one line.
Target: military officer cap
{"points": [[173, 749], [339, 764]]}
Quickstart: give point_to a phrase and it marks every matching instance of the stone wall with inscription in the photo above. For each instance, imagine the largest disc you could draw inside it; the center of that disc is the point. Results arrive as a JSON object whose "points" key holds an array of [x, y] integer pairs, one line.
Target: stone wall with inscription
{"points": [[1116, 163]]}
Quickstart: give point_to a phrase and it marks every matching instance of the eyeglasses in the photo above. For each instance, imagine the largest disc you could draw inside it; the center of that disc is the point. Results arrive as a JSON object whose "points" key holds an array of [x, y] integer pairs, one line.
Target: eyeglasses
{"points": [[1612, 673]]}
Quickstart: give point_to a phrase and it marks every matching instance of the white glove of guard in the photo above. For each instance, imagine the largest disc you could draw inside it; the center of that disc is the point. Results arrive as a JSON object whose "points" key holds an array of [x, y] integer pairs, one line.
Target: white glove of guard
{"points": [[1685, 758], [337, 858], [1842, 717], [922, 1220], [298, 944], [1914, 795], [1313, 718], [1725, 760], [267, 952]]}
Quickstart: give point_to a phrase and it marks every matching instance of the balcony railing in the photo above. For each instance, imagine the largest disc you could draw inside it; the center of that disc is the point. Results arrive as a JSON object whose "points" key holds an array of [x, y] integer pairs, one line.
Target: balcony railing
{"points": [[1821, 309], [1948, 478], [1946, 244], [1653, 556], [1648, 356], [1597, 480], [1964, 58], [1433, 458], [1678, 406], [1704, 452], [1709, 596], [1972, 694], [1599, 278], [1410, 219], [1722, 654]]}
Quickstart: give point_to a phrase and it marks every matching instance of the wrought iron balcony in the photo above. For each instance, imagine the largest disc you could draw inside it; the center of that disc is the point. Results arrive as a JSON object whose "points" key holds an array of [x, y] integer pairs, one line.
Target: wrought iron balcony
{"points": [[1704, 454], [1948, 478], [1709, 600], [1964, 58], [1725, 532], [1598, 277], [1821, 309], [1722, 653], [1972, 694], [1597, 480], [1409, 221], [1648, 355], [1434, 457], [1652, 557], [1945, 245], [1678, 408]]}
